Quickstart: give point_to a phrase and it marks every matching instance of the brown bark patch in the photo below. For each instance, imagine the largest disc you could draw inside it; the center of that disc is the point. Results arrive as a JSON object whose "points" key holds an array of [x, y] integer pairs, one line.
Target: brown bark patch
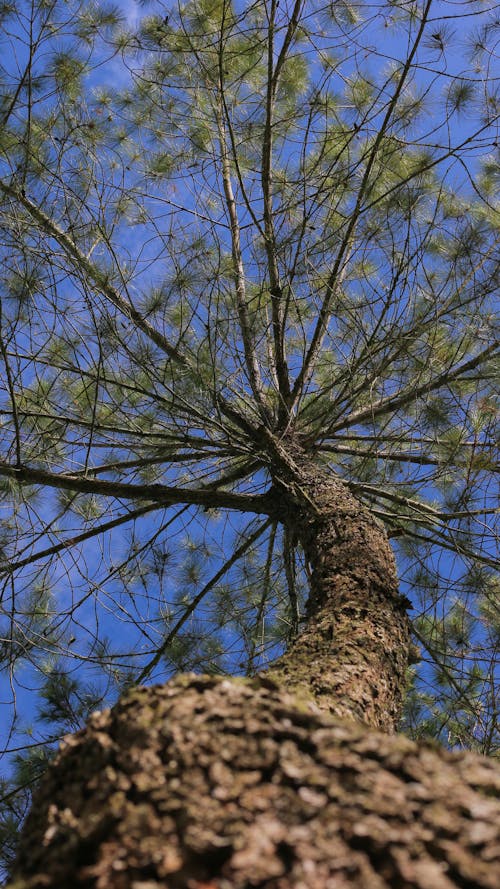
{"points": [[352, 654], [224, 784]]}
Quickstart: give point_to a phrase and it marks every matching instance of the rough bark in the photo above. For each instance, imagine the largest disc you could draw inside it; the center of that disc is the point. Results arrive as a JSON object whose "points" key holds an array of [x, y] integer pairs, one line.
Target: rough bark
{"points": [[352, 653], [207, 783]]}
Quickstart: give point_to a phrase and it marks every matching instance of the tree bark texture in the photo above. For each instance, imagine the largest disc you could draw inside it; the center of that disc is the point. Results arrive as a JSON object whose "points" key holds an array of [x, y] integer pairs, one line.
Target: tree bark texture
{"points": [[210, 783], [352, 654]]}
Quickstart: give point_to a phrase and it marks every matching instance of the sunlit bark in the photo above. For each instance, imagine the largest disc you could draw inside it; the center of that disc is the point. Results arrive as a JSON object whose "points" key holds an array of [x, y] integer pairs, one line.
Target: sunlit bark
{"points": [[352, 653]]}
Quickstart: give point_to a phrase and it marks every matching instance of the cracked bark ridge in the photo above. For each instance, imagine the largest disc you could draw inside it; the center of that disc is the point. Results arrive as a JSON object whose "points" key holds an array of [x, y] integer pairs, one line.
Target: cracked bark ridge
{"points": [[352, 654], [210, 783]]}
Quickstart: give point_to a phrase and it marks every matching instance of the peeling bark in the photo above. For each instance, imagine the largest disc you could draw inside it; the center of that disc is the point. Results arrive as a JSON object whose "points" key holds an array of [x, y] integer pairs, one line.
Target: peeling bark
{"points": [[207, 783]]}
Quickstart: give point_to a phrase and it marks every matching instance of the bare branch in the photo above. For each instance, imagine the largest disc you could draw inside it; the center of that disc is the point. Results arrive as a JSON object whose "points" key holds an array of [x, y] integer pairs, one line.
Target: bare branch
{"points": [[69, 542]]}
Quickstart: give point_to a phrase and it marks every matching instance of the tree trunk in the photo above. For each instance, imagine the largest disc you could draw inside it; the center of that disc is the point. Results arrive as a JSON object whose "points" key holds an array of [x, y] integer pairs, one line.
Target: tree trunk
{"points": [[352, 654], [210, 783], [207, 783]]}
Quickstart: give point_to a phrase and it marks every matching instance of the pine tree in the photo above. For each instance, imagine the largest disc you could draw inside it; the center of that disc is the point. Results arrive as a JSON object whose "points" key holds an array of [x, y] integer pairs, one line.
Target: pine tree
{"points": [[247, 329]]}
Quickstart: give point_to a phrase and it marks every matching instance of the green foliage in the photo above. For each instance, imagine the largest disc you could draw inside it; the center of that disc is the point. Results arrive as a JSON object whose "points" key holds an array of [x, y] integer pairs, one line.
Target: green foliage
{"points": [[32, 630], [67, 72], [65, 703], [96, 19]]}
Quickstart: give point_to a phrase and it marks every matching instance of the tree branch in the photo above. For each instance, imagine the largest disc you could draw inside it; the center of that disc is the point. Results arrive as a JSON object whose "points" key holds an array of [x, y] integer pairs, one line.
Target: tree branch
{"points": [[260, 504], [238, 552], [93, 274], [392, 402], [335, 277], [10, 567], [247, 337], [275, 287]]}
